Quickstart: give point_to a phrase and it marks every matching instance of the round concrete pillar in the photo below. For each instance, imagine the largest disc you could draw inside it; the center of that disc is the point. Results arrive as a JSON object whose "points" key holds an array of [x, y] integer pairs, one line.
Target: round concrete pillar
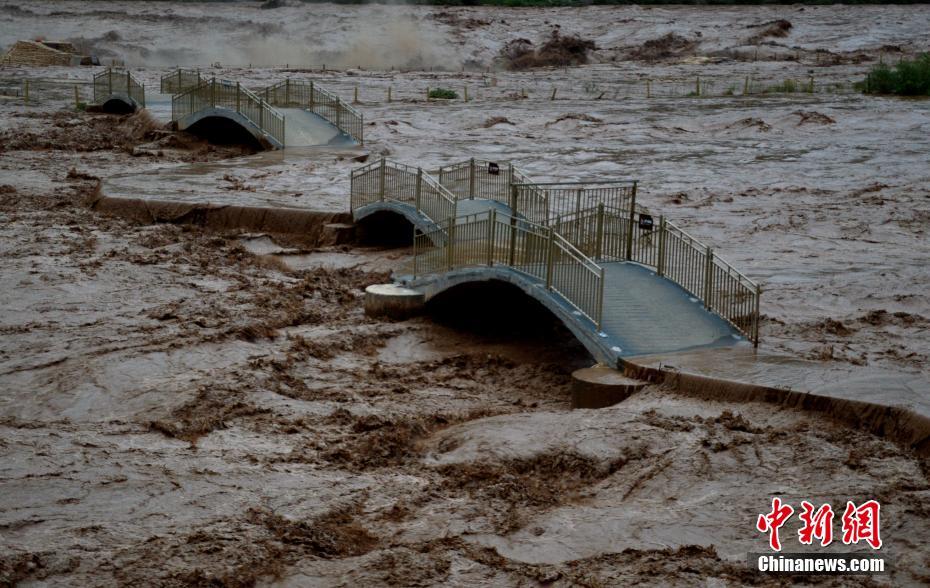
{"points": [[392, 301], [600, 386]]}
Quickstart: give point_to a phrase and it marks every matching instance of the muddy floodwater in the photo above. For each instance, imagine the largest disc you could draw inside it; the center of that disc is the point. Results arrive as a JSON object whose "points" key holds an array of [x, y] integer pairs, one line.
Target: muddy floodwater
{"points": [[191, 407]]}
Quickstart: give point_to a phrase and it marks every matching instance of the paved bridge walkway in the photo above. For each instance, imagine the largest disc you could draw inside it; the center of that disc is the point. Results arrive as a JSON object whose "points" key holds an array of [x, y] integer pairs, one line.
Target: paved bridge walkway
{"points": [[624, 284]]}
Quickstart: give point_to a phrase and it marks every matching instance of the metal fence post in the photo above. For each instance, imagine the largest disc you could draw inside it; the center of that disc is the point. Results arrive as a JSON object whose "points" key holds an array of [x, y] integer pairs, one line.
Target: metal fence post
{"points": [[755, 317], [451, 243], [599, 232], [708, 277], [238, 104], [660, 264], [629, 232], [492, 220], [213, 93], [287, 92], [416, 252], [549, 255], [600, 301], [339, 115], [419, 187], [471, 179], [110, 81], [381, 190], [312, 102], [128, 85], [513, 224]]}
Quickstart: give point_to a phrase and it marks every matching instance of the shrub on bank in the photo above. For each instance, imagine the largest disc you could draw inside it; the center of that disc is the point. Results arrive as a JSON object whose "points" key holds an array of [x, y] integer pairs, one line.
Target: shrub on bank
{"points": [[910, 77], [443, 93]]}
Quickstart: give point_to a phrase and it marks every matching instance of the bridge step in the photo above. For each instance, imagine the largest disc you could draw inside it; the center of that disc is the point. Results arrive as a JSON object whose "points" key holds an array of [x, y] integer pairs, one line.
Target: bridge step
{"points": [[601, 386]]}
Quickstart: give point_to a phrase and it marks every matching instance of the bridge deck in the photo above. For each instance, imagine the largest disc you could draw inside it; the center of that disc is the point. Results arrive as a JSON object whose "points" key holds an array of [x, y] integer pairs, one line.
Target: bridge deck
{"points": [[644, 313]]}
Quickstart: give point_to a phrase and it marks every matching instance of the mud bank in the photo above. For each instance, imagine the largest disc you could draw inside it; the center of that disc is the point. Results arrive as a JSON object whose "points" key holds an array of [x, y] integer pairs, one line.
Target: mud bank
{"points": [[314, 228]]}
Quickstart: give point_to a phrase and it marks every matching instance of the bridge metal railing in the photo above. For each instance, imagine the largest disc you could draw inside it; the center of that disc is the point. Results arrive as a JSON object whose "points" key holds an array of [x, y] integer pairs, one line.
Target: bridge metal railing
{"points": [[179, 80], [308, 95], [604, 234], [388, 181], [110, 82], [496, 239], [553, 203], [215, 93], [480, 178]]}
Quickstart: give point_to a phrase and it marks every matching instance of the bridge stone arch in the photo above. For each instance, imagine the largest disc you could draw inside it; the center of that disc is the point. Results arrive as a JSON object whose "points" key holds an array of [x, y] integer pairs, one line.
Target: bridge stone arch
{"points": [[225, 125], [582, 328], [119, 103], [373, 213]]}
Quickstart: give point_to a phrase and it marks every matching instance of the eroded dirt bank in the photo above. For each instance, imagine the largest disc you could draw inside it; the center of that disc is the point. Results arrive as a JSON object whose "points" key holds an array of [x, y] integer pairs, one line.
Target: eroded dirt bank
{"points": [[178, 410]]}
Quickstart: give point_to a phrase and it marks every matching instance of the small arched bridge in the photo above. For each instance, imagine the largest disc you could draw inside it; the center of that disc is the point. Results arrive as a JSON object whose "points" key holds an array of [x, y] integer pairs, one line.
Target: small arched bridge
{"points": [[118, 92], [625, 283], [289, 113]]}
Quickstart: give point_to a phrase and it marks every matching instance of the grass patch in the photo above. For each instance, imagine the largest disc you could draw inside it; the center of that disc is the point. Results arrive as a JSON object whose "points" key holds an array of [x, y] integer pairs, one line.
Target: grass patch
{"points": [[443, 94], [910, 77]]}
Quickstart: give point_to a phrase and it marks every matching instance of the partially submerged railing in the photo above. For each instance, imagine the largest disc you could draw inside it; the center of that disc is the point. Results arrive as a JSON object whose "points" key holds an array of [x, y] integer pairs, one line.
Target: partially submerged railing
{"points": [[387, 181], [496, 239], [180, 80], [215, 93], [110, 82], [308, 95]]}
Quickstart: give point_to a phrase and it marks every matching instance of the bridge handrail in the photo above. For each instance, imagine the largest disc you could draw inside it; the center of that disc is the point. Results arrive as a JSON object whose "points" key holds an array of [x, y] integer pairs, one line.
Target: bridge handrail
{"points": [[546, 202], [179, 80], [307, 94], [389, 181], [110, 82], [492, 238], [605, 234], [215, 93]]}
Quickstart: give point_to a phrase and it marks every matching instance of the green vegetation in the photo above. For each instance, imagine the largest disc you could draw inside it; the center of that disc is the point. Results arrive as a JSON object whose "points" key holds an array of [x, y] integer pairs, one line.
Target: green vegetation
{"points": [[443, 94], [786, 87], [907, 78]]}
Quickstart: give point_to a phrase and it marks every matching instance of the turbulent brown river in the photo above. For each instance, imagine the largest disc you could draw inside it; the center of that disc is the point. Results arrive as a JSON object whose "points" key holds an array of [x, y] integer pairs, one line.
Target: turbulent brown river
{"points": [[182, 406]]}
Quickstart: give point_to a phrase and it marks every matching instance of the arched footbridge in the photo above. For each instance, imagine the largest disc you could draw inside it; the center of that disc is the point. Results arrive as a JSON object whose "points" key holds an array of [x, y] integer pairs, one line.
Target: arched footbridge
{"points": [[624, 282], [118, 91], [290, 113]]}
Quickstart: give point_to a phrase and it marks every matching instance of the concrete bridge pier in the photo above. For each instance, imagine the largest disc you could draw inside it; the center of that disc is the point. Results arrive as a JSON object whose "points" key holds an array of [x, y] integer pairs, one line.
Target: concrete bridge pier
{"points": [[601, 386], [393, 301]]}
